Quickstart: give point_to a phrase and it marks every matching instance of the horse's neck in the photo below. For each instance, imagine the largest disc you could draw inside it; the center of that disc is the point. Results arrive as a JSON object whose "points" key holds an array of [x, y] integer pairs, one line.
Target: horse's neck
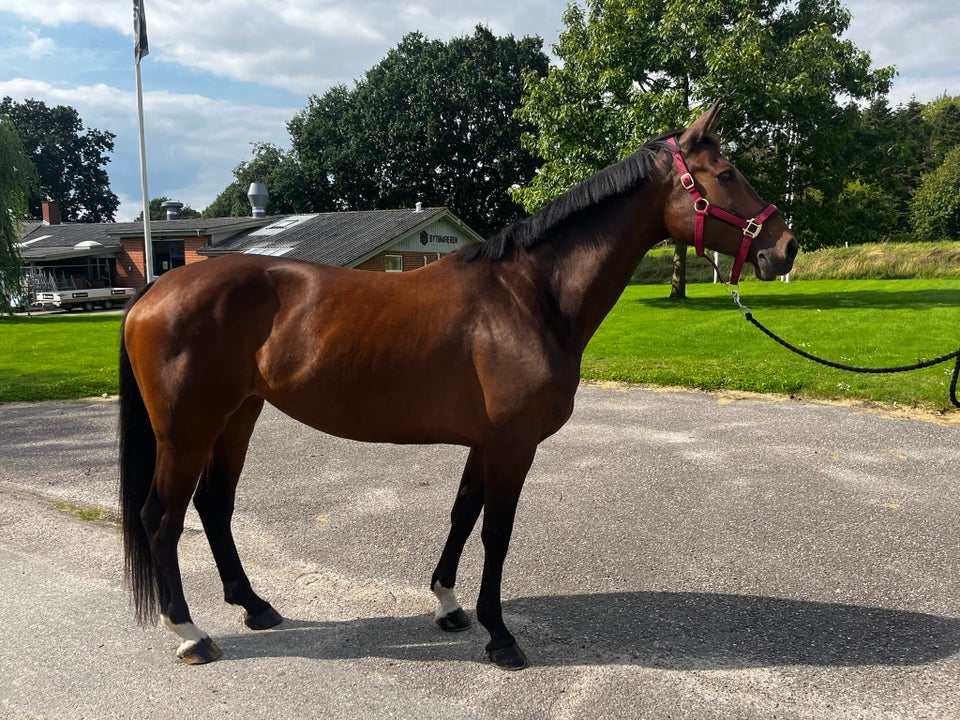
{"points": [[593, 260]]}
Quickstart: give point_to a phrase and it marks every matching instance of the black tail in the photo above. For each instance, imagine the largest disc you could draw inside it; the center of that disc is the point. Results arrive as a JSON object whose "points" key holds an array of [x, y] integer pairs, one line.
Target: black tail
{"points": [[138, 455]]}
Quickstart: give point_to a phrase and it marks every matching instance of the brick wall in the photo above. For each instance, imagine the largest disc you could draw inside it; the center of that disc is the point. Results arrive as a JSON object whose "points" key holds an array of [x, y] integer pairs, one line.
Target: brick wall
{"points": [[131, 256], [130, 263], [411, 260], [190, 247]]}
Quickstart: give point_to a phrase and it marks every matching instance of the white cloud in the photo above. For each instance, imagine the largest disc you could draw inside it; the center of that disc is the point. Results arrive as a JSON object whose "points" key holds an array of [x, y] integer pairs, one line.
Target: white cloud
{"points": [[916, 37], [294, 45], [103, 13], [303, 46], [39, 47], [193, 142]]}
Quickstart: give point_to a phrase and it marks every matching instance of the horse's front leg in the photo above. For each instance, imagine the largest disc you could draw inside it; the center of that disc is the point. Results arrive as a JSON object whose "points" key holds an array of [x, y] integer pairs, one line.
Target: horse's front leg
{"points": [[506, 470], [466, 509]]}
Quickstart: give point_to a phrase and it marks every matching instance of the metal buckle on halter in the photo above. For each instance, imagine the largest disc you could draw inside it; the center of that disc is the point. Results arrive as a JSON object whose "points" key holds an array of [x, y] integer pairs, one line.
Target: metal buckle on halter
{"points": [[753, 228], [701, 205], [686, 180]]}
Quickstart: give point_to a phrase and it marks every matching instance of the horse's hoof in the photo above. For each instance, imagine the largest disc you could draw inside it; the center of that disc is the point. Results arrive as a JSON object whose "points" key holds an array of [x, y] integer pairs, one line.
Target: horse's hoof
{"points": [[263, 620], [508, 658], [457, 621], [198, 652]]}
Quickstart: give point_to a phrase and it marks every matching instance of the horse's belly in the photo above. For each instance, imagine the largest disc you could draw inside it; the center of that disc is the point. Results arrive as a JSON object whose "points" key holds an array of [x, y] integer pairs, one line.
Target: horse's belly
{"points": [[396, 411]]}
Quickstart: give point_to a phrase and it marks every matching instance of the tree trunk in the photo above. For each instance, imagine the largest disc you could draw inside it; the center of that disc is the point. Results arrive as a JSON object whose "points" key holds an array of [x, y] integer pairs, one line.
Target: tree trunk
{"points": [[678, 286]]}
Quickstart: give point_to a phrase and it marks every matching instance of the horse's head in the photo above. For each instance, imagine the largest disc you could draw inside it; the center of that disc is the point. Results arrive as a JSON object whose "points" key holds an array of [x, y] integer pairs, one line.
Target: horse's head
{"points": [[712, 205]]}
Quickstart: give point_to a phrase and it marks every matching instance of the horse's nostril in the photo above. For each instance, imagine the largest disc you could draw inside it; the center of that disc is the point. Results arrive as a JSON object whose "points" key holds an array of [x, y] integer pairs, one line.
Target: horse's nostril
{"points": [[793, 247]]}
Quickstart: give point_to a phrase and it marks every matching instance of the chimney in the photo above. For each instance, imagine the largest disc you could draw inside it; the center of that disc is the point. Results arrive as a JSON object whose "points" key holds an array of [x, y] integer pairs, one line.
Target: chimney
{"points": [[258, 196], [51, 212], [173, 209]]}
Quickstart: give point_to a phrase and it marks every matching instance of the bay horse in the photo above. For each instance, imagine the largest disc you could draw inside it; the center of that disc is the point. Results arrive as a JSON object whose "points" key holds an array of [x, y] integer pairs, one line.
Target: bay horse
{"points": [[480, 349]]}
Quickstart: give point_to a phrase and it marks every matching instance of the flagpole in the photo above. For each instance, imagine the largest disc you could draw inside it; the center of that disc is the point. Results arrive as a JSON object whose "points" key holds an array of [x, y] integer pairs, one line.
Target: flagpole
{"points": [[141, 48], [147, 239]]}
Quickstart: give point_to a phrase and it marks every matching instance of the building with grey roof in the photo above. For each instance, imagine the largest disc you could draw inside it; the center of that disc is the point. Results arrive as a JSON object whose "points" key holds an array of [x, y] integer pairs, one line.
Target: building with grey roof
{"points": [[112, 254]]}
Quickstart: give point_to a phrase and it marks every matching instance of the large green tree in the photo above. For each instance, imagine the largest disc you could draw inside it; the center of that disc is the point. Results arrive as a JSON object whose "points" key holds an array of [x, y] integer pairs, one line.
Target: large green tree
{"points": [[936, 205], [942, 117], [70, 160], [634, 68], [432, 122], [17, 179], [892, 152]]}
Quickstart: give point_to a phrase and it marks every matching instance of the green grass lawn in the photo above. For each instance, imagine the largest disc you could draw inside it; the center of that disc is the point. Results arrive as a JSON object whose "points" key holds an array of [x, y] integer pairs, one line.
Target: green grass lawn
{"points": [[704, 342], [700, 342], [58, 356]]}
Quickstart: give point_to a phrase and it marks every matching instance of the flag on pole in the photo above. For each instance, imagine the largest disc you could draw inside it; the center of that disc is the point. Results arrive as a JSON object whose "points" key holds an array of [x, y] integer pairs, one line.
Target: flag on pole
{"points": [[140, 47]]}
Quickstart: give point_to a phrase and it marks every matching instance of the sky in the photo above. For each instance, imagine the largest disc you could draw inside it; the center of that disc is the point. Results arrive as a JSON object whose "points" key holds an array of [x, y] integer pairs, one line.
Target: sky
{"points": [[224, 74]]}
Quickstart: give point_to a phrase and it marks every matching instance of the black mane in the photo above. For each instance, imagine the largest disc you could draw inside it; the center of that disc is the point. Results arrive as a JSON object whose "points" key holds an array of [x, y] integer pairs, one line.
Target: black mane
{"points": [[611, 182]]}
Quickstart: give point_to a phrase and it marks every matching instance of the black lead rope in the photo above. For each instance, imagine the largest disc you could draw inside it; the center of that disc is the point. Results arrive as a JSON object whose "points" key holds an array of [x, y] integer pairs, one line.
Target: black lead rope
{"points": [[852, 368], [955, 355]]}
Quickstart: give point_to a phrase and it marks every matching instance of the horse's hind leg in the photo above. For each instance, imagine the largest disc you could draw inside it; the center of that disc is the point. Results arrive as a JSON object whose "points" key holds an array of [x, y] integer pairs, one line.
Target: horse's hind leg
{"points": [[214, 501], [463, 517], [162, 515]]}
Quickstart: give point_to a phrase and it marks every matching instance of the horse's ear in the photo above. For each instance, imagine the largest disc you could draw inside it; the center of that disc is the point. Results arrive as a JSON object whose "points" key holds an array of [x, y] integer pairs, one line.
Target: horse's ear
{"points": [[702, 127]]}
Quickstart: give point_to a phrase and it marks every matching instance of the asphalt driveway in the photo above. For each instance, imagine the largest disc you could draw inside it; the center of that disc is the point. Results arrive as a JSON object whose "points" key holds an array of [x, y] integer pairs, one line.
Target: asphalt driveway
{"points": [[676, 555]]}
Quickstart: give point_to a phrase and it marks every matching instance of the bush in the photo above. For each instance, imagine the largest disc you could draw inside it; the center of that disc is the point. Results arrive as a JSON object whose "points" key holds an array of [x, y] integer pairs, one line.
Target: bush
{"points": [[862, 213]]}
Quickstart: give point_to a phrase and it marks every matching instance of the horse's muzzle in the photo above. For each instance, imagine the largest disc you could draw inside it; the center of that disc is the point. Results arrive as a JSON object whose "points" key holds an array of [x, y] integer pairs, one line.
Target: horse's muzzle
{"points": [[772, 262]]}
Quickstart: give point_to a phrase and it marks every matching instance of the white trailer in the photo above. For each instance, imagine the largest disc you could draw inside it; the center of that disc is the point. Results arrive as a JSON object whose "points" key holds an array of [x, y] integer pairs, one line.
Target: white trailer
{"points": [[87, 299]]}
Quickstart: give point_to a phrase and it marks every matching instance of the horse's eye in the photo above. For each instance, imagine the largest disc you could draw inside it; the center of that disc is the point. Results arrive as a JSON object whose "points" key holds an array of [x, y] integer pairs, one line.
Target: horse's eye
{"points": [[725, 177]]}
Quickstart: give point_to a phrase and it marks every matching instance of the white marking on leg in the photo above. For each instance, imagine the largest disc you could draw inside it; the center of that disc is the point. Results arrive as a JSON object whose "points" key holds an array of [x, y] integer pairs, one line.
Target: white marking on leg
{"points": [[188, 632], [448, 600]]}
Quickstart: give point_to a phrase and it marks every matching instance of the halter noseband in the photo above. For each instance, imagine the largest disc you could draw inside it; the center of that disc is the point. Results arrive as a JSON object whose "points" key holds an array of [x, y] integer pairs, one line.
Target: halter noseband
{"points": [[751, 228]]}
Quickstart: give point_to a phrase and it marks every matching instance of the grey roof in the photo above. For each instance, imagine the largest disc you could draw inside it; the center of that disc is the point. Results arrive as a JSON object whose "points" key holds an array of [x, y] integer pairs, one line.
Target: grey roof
{"points": [[193, 226], [58, 242], [69, 234], [28, 227], [67, 240], [337, 238]]}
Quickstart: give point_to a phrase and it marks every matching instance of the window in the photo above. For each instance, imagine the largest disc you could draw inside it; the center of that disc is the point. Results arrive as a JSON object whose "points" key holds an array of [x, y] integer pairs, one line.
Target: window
{"points": [[167, 255], [393, 263]]}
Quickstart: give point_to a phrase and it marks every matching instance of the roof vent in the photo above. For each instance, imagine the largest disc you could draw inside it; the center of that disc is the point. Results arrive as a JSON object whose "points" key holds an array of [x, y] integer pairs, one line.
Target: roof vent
{"points": [[258, 196], [173, 209], [418, 207]]}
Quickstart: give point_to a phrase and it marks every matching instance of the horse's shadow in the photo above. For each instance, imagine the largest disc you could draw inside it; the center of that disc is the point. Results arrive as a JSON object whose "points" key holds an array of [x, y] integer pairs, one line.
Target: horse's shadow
{"points": [[684, 631]]}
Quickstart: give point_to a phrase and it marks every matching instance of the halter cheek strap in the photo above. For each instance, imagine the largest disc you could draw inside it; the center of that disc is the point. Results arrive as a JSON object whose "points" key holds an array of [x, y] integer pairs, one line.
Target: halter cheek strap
{"points": [[751, 228]]}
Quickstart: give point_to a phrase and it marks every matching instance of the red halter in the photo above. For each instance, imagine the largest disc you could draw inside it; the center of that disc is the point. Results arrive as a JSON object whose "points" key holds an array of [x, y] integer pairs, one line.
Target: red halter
{"points": [[751, 228]]}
